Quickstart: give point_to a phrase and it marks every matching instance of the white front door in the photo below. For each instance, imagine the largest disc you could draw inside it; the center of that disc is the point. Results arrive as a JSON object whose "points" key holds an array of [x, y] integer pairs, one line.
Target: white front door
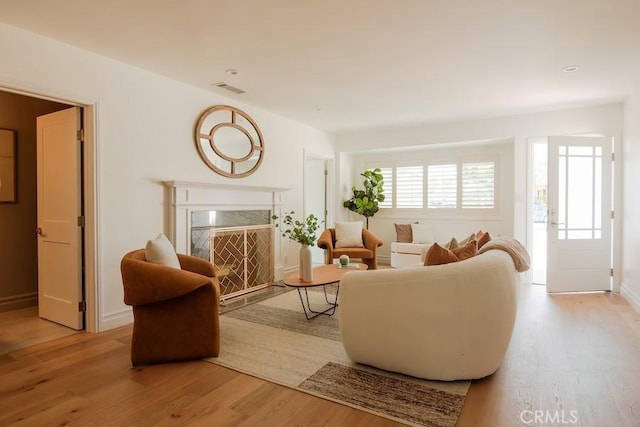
{"points": [[579, 218], [59, 224]]}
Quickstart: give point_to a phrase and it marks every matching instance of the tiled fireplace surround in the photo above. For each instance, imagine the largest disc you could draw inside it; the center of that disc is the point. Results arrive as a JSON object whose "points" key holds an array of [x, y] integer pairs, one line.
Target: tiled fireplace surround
{"points": [[230, 225]]}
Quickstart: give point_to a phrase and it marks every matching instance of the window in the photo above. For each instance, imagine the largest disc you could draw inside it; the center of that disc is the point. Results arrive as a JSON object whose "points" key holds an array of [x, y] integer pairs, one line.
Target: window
{"points": [[442, 186], [456, 185], [478, 189], [409, 182], [387, 176]]}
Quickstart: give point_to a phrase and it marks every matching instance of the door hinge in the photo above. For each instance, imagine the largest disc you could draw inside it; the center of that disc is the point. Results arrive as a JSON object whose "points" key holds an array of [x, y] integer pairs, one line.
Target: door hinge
{"points": [[81, 221], [80, 135], [326, 172], [82, 306], [612, 215], [613, 157], [611, 272]]}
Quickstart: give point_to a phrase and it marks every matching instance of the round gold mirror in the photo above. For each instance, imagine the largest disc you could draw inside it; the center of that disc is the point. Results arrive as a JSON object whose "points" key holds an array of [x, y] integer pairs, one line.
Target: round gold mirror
{"points": [[229, 141]]}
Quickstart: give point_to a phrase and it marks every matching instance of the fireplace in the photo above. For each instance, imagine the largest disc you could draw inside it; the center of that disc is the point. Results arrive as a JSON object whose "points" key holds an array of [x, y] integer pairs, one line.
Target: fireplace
{"points": [[230, 226]]}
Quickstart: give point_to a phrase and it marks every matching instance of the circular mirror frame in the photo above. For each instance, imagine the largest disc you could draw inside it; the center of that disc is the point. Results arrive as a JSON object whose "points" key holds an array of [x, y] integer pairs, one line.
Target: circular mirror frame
{"points": [[202, 135]]}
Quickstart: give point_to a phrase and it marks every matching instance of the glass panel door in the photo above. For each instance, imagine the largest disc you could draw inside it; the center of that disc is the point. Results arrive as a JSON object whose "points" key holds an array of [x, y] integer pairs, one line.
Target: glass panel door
{"points": [[579, 225]]}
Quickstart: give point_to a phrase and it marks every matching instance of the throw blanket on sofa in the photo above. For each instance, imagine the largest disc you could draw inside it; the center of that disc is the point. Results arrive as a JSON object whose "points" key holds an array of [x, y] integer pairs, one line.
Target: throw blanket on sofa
{"points": [[512, 247]]}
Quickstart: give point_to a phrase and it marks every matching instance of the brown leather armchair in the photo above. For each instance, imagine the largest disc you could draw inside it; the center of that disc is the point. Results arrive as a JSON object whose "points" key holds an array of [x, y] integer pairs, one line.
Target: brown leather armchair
{"points": [[175, 311], [327, 241]]}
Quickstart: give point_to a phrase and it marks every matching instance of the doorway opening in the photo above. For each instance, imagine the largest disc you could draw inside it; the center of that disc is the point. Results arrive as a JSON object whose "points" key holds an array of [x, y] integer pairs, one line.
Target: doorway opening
{"points": [[19, 318], [540, 211], [316, 196], [569, 211]]}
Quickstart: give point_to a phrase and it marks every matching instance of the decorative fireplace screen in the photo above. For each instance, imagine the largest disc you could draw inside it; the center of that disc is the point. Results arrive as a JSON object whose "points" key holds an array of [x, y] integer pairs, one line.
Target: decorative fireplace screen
{"points": [[241, 254]]}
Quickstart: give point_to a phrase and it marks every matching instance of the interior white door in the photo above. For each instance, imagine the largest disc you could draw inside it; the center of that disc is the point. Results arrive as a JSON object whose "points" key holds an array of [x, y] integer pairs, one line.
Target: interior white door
{"points": [[315, 198], [59, 209], [579, 219]]}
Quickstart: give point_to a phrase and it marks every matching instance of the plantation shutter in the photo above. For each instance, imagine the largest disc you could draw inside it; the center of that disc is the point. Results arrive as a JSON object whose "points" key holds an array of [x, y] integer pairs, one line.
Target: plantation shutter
{"points": [[478, 185], [442, 190], [409, 182], [387, 176]]}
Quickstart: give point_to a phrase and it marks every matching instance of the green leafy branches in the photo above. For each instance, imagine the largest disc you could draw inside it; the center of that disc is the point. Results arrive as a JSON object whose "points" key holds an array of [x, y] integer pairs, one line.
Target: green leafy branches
{"points": [[365, 202], [299, 231]]}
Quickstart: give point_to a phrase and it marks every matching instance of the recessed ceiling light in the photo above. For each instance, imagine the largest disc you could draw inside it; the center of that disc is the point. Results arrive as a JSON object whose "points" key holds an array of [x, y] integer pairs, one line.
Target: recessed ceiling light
{"points": [[570, 69], [232, 71]]}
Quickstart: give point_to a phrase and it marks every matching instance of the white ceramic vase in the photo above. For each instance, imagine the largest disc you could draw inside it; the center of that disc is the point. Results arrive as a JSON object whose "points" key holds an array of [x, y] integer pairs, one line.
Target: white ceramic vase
{"points": [[306, 270]]}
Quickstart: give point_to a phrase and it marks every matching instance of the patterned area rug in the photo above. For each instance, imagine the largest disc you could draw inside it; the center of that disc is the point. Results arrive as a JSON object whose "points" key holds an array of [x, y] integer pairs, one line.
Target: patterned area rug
{"points": [[272, 340]]}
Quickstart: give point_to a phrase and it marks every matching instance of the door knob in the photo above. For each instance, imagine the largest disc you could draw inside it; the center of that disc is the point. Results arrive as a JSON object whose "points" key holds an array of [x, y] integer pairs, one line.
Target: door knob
{"points": [[39, 231]]}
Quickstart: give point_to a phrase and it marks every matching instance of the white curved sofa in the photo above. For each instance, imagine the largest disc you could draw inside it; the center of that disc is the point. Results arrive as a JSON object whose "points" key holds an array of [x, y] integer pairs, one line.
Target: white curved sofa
{"points": [[444, 322]]}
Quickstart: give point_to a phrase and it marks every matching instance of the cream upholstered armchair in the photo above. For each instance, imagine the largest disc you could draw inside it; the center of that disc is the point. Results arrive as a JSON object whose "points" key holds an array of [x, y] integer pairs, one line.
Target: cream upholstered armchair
{"points": [[365, 250]]}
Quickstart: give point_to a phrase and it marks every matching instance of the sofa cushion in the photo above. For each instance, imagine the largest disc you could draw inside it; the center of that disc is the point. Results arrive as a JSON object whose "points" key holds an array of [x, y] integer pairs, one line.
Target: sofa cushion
{"points": [[467, 250], [409, 248], [437, 255], [422, 233], [363, 253], [161, 251], [472, 236], [451, 244], [403, 233], [349, 234], [483, 238]]}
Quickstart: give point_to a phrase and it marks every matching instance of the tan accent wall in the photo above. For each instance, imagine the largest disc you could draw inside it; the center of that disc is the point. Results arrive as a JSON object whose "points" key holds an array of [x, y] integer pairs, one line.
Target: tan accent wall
{"points": [[18, 243]]}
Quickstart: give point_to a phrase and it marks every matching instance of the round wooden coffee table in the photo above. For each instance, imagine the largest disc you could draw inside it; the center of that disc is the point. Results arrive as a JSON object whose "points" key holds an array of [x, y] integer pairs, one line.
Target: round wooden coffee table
{"points": [[322, 276]]}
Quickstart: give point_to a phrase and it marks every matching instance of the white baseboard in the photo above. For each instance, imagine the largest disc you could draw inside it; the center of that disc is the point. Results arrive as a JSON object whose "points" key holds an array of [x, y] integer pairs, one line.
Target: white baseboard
{"points": [[278, 272], [384, 259], [116, 319], [632, 297], [288, 270], [16, 302]]}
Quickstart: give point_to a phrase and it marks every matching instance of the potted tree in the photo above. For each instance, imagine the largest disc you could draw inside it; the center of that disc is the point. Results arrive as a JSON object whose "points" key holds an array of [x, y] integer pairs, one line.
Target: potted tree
{"points": [[366, 202]]}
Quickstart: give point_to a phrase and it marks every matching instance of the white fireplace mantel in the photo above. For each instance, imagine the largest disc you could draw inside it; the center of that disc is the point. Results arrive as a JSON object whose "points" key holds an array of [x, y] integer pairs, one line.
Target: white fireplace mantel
{"points": [[232, 187], [184, 197]]}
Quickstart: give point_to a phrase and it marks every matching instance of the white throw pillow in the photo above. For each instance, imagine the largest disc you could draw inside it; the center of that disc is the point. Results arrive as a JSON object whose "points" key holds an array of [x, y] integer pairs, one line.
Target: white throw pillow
{"points": [[161, 251], [422, 233], [349, 234]]}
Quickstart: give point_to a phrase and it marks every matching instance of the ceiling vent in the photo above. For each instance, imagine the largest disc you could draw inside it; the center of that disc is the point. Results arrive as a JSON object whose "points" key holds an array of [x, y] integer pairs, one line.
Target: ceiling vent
{"points": [[230, 88]]}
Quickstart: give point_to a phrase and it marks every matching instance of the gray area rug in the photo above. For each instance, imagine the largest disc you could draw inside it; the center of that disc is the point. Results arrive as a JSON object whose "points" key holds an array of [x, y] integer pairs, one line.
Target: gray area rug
{"points": [[272, 340], [419, 403]]}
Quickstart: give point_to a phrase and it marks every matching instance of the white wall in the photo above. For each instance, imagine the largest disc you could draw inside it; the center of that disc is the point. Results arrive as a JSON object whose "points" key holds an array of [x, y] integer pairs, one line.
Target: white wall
{"points": [[145, 136], [631, 223], [606, 119]]}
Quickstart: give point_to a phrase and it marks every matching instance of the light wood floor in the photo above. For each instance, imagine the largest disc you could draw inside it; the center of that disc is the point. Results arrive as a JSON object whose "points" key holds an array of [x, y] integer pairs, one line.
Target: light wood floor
{"points": [[23, 328], [577, 353]]}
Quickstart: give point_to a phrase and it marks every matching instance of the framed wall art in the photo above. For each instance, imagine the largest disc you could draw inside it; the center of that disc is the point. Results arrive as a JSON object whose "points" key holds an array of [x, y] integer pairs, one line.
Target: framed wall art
{"points": [[8, 166]]}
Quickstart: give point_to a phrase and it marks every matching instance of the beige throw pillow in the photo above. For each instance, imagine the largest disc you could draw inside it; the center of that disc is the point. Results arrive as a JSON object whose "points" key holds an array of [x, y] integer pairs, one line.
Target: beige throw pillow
{"points": [[469, 238], [349, 234], [403, 233], [161, 251]]}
